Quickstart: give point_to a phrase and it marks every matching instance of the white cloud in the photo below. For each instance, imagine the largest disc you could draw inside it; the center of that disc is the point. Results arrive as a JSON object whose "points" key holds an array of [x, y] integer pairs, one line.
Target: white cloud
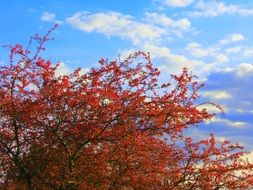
{"points": [[157, 51], [234, 91], [248, 52], [153, 28], [221, 138], [212, 109], [232, 38], [158, 19], [235, 124], [197, 50], [171, 26], [217, 94], [183, 23], [31, 10], [115, 24], [173, 63], [240, 111], [62, 69], [244, 70], [49, 17], [177, 3], [221, 58], [164, 52], [170, 62], [237, 37], [233, 50], [214, 8], [241, 70]]}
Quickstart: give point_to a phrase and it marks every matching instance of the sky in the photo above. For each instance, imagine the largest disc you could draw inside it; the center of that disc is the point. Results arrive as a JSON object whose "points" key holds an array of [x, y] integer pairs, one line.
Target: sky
{"points": [[214, 39]]}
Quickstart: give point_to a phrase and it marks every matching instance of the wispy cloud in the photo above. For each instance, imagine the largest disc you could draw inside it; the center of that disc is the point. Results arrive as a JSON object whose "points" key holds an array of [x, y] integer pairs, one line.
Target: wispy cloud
{"points": [[182, 24], [214, 8], [244, 70], [152, 28], [64, 69], [232, 50], [248, 52], [217, 94], [230, 123], [49, 17], [172, 62], [177, 3], [232, 38], [198, 51], [232, 89]]}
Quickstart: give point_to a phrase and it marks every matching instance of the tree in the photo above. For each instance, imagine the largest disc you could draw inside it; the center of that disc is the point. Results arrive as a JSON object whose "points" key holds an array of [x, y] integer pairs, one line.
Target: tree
{"points": [[114, 127]]}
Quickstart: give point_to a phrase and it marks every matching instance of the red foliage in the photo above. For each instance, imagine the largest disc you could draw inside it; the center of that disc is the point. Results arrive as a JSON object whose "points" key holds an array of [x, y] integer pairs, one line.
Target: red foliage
{"points": [[106, 129]]}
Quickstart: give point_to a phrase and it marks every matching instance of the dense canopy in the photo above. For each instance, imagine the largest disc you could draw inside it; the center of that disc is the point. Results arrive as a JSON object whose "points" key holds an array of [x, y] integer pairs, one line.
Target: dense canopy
{"points": [[113, 127]]}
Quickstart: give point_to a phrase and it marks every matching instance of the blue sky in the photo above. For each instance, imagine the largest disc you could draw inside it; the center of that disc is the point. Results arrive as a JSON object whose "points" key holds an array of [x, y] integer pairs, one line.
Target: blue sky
{"points": [[214, 39]]}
